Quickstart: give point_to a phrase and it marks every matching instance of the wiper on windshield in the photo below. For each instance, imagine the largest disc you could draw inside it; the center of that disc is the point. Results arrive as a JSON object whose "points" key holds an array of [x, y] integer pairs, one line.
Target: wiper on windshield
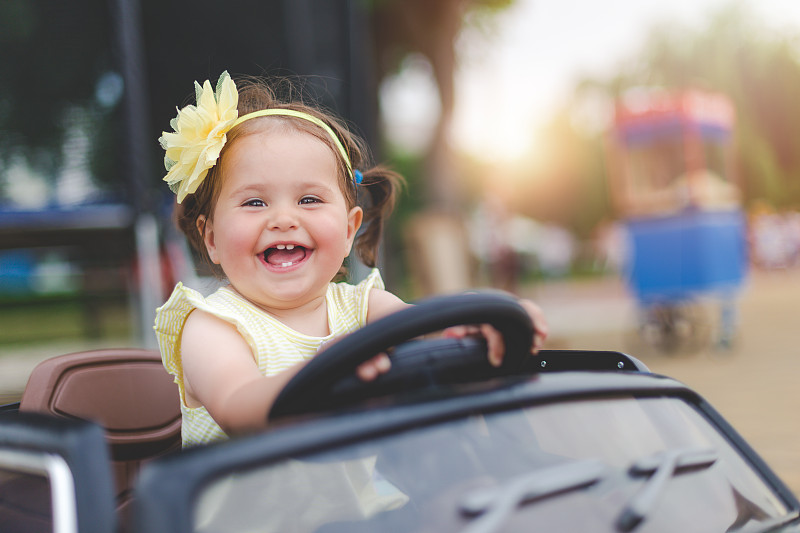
{"points": [[660, 468], [496, 504]]}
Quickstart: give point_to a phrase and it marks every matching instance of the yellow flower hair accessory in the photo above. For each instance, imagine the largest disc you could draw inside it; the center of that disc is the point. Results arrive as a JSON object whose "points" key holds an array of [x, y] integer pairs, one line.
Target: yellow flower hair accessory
{"points": [[199, 135]]}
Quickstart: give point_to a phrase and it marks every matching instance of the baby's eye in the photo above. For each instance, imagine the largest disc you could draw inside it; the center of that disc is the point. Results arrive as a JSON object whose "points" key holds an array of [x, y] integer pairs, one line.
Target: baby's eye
{"points": [[309, 200], [254, 202]]}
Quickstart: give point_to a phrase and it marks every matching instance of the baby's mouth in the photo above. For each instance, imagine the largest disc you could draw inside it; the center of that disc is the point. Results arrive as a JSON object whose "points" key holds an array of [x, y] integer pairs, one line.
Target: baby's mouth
{"points": [[285, 255]]}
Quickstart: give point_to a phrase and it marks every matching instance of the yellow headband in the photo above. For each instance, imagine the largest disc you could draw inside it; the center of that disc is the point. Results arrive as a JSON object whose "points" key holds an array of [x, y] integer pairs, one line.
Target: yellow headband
{"points": [[200, 133]]}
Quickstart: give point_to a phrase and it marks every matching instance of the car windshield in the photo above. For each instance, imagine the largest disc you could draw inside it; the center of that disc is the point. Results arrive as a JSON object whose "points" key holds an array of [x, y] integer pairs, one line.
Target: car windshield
{"points": [[614, 464]]}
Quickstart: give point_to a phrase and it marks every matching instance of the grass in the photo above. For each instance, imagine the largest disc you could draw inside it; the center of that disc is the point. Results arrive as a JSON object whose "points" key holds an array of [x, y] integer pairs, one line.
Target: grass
{"points": [[45, 319]]}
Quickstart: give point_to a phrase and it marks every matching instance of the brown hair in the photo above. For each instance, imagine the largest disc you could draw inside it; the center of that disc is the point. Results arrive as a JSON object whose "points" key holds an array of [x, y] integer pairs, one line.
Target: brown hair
{"points": [[376, 194]]}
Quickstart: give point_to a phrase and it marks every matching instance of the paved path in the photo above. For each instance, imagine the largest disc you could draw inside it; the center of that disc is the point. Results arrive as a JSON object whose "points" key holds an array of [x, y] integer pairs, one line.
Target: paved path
{"points": [[755, 385]]}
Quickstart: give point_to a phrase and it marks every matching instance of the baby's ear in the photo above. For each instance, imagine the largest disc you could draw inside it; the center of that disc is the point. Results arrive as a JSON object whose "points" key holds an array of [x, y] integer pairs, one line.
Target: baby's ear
{"points": [[206, 229], [354, 219]]}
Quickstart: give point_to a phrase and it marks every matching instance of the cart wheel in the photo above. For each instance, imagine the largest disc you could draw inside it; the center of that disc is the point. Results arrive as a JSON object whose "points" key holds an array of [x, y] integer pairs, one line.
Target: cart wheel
{"points": [[675, 328]]}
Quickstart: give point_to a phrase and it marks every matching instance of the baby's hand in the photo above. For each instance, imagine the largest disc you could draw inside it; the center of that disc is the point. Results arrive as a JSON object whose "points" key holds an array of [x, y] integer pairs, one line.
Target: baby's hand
{"points": [[371, 369], [539, 324], [368, 370], [494, 340]]}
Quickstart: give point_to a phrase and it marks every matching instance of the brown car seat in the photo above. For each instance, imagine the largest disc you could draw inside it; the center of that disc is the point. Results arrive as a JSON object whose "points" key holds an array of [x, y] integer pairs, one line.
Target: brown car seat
{"points": [[127, 391]]}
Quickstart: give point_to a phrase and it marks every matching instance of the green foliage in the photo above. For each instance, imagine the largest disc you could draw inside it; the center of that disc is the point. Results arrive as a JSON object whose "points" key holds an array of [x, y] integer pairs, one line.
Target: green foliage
{"points": [[477, 5], [53, 55], [409, 201], [489, 8], [757, 68]]}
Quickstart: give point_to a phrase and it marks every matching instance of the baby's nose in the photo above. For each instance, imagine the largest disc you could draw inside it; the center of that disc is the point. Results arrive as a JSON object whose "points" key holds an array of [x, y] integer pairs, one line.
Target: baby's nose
{"points": [[282, 218]]}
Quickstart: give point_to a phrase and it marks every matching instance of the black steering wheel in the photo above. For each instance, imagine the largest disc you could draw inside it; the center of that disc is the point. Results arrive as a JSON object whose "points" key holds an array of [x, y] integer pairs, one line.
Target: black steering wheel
{"points": [[329, 380]]}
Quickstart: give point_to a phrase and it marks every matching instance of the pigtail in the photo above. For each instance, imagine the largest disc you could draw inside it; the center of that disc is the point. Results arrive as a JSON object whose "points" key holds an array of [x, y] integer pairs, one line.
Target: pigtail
{"points": [[377, 194]]}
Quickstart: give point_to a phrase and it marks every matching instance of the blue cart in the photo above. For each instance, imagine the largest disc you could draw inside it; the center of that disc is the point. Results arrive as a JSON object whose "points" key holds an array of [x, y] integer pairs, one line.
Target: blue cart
{"points": [[670, 163]]}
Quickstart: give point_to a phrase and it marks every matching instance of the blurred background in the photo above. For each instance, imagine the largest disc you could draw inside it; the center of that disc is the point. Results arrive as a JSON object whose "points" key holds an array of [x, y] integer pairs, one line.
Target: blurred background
{"points": [[631, 165]]}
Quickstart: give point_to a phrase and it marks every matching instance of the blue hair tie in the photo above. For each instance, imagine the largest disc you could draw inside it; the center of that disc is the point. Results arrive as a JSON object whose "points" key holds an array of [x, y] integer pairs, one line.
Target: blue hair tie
{"points": [[357, 176]]}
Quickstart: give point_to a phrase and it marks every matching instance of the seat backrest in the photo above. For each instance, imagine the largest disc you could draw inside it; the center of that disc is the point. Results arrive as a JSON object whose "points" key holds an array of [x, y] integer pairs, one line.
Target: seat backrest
{"points": [[127, 391]]}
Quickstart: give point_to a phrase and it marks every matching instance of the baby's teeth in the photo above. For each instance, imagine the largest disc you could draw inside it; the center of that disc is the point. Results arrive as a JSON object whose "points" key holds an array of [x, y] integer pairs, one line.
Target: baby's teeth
{"points": [[290, 246], [280, 246], [286, 264]]}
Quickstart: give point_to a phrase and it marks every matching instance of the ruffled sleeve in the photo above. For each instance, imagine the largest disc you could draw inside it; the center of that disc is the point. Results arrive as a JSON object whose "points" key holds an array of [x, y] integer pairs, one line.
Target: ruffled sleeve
{"points": [[348, 304], [169, 322], [362, 290]]}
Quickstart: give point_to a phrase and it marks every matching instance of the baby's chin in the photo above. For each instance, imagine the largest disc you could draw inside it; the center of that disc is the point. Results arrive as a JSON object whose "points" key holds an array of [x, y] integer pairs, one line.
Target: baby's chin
{"points": [[286, 297]]}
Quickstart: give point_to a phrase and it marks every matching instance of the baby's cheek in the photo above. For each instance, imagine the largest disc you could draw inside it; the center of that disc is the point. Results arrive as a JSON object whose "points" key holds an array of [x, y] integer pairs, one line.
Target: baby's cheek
{"points": [[238, 241], [332, 231]]}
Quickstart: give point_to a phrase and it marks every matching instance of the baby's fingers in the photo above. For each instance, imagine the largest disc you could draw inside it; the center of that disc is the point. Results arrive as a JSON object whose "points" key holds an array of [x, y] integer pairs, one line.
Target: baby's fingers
{"points": [[371, 369], [459, 332], [539, 322], [496, 346]]}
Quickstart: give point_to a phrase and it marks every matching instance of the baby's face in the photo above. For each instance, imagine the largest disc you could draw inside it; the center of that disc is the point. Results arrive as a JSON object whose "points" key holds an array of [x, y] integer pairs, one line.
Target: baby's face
{"points": [[281, 227]]}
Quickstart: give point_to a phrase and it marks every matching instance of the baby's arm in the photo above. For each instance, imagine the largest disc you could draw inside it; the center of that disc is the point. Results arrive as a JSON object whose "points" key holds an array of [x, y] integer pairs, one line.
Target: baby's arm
{"points": [[220, 373], [382, 303]]}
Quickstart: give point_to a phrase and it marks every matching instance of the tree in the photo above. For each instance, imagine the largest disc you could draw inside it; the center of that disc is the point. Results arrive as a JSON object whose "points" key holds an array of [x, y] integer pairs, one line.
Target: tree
{"points": [[430, 28]]}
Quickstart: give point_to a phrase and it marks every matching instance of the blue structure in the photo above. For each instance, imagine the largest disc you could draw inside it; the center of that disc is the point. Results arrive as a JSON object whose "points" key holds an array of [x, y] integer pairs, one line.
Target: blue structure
{"points": [[675, 257], [16, 271]]}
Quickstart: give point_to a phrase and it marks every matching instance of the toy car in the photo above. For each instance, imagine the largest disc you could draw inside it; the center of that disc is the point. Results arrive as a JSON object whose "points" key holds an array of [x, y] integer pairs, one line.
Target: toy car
{"points": [[563, 441]]}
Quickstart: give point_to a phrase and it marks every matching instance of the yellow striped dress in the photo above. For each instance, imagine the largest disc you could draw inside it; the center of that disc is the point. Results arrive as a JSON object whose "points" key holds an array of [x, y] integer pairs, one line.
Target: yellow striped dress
{"points": [[275, 346]]}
